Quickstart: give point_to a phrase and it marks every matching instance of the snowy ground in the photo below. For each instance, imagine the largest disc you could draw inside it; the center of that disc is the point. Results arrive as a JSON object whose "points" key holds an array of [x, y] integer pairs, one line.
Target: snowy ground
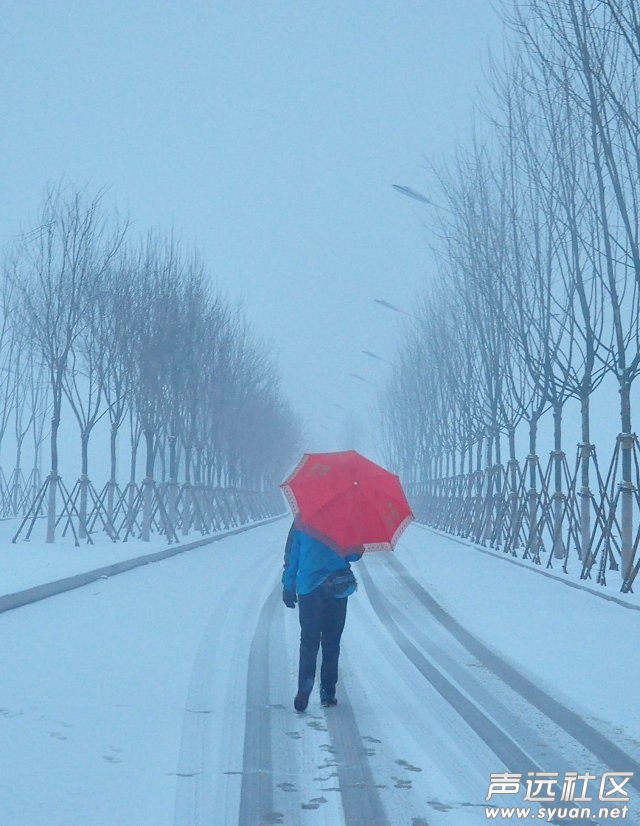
{"points": [[29, 563], [163, 695]]}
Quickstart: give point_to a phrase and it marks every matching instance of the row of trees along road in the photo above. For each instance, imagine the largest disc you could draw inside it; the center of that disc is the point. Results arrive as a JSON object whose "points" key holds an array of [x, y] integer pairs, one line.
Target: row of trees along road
{"points": [[102, 329], [537, 230]]}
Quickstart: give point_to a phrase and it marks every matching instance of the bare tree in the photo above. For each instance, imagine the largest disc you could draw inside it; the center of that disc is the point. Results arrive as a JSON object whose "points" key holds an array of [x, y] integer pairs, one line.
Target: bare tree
{"points": [[83, 385], [114, 332], [29, 378], [61, 264], [576, 239], [589, 48], [11, 342], [159, 279], [138, 334]]}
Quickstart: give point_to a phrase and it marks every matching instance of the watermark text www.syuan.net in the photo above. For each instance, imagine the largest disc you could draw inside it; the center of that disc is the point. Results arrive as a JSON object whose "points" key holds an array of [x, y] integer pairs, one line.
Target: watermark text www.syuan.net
{"points": [[573, 797]]}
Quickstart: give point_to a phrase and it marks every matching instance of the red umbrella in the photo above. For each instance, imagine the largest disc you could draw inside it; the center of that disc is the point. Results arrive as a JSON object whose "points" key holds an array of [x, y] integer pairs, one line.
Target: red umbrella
{"points": [[347, 501]]}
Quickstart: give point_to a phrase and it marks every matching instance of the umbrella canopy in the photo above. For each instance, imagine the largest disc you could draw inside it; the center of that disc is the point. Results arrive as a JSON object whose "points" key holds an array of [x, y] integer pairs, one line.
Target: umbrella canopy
{"points": [[347, 501]]}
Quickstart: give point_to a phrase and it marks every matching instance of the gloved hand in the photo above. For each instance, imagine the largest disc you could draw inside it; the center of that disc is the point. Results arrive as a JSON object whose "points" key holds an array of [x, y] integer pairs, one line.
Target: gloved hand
{"points": [[289, 598]]}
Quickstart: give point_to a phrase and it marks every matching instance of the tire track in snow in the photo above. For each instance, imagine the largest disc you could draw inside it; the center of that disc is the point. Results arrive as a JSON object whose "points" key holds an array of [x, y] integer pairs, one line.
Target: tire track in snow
{"points": [[502, 745], [569, 721], [359, 796], [578, 731], [256, 796], [429, 769], [215, 704]]}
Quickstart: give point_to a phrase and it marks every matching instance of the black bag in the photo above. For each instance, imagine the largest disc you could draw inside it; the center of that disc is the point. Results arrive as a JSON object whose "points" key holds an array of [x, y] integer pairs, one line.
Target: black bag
{"points": [[339, 582]]}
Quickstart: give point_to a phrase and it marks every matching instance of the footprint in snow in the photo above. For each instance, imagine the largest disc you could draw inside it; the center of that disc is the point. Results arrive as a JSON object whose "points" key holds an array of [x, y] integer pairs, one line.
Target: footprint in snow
{"points": [[317, 725], [438, 806], [325, 779], [328, 764], [113, 757], [7, 712], [314, 803], [408, 766]]}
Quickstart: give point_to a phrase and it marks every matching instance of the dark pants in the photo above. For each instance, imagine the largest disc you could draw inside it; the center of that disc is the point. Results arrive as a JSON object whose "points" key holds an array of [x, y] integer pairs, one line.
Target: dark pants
{"points": [[321, 622]]}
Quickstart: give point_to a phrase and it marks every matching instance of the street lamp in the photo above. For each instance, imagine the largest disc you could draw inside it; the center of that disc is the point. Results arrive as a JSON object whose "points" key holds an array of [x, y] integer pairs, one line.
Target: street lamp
{"points": [[418, 196], [387, 305], [411, 193], [374, 356], [395, 309], [363, 379]]}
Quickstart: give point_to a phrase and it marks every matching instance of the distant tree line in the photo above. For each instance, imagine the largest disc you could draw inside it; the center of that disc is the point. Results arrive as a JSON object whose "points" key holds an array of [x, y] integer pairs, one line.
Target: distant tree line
{"points": [[537, 230], [99, 327]]}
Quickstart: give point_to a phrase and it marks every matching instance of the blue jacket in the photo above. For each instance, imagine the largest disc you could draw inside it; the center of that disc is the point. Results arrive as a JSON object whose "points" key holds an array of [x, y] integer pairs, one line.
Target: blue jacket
{"points": [[308, 562]]}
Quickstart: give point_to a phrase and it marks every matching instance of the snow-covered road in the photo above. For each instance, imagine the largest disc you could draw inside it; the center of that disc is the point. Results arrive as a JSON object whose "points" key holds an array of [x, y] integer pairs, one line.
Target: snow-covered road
{"points": [[164, 695]]}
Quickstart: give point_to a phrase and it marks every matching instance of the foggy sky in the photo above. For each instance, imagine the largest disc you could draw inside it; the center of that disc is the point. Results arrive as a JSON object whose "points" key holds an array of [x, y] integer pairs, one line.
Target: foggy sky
{"points": [[270, 135]]}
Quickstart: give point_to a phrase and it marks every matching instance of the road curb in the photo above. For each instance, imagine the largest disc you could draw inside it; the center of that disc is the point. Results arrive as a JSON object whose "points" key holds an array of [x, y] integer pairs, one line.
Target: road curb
{"points": [[49, 589]]}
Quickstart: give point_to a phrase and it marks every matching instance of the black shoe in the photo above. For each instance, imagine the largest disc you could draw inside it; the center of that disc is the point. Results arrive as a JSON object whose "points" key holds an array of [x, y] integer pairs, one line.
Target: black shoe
{"points": [[301, 700], [327, 698]]}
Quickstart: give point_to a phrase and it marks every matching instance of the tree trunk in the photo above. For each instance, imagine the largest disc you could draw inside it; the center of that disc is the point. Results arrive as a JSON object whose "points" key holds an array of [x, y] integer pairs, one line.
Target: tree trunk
{"points": [[626, 488], [186, 501], [513, 538], [15, 493], [532, 495], [488, 492], [585, 492], [132, 481], [147, 500], [53, 475], [558, 497], [113, 452], [172, 492], [84, 485], [112, 479]]}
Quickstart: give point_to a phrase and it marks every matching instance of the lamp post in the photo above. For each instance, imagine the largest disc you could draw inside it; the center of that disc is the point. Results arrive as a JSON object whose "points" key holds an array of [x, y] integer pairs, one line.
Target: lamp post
{"points": [[418, 196], [375, 356], [387, 305], [363, 379], [411, 193]]}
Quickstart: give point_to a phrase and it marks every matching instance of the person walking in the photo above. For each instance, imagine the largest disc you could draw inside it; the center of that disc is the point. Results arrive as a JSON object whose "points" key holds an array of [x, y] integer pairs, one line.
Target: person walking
{"points": [[320, 581]]}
